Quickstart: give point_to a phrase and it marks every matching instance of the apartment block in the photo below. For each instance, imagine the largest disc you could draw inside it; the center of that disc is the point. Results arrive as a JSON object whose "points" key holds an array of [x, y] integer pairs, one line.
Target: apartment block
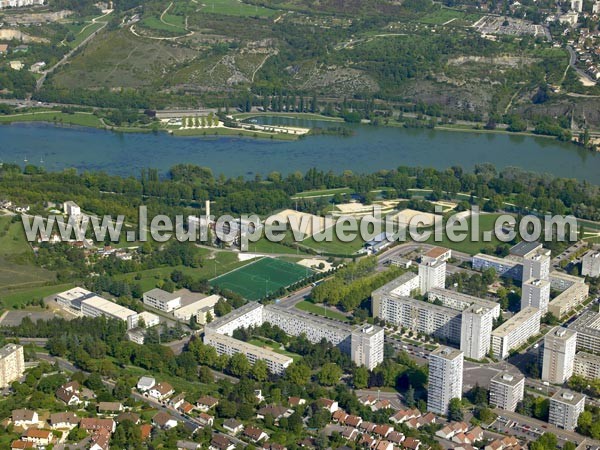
{"points": [[587, 326], [12, 364], [504, 267], [432, 274], [590, 264], [249, 315], [226, 345], [587, 365], [536, 264], [515, 331], [559, 355], [445, 378], [506, 390], [460, 301], [367, 346], [565, 408], [476, 330], [97, 306], [162, 300], [536, 292], [569, 299]]}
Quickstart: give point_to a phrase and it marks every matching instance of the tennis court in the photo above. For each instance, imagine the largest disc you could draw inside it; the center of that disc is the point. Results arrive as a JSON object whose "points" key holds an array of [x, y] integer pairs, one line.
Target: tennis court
{"points": [[261, 278]]}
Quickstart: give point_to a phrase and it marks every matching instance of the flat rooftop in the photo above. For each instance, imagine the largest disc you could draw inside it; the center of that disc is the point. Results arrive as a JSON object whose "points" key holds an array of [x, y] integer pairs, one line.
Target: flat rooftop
{"points": [[206, 302], [390, 287], [587, 357], [524, 248], [587, 323], [312, 319], [459, 296], [448, 353], [515, 321], [162, 296], [568, 397], [245, 347], [74, 294], [508, 379], [109, 307], [233, 315], [8, 349], [436, 252], [561, 333]]}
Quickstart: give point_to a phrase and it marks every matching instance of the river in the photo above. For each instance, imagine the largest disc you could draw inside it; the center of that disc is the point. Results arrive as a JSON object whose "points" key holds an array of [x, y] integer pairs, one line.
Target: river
{"points": [[368, 150]]}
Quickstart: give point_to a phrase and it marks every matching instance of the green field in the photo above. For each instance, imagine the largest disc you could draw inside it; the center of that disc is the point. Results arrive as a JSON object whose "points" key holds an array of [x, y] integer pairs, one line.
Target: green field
{"points": [[78, 118], [156, 24], [445, 15], [321, 311], [17, 271], [236, 8], [272, 345], [261, 278], [486, 223], [335, 246], [23, 296]]}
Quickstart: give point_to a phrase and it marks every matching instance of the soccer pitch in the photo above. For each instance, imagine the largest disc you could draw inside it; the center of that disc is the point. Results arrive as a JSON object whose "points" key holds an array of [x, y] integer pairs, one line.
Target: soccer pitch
{"points": [[261, 278]]}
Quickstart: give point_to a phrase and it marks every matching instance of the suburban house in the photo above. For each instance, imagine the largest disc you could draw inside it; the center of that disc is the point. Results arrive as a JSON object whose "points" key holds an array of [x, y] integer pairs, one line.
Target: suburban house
{"points": [[91, 424], [64, 420], [38, 437], [220, 442], [161, 391], [255, 434], [145, 384], [330, 405], [206, 419], [233, 426], [110, 407], [205, 403], [24, 417], [164, 421]]}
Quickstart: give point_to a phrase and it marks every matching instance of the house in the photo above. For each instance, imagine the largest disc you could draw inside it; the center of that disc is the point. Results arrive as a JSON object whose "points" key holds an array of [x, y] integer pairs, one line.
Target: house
{"points": [[233, 426], [109, 407], [91, 424], [277, 412], [296, 401], [145, 384], [18, 445], [24, 417], [339, 416], [274, 446], [205, 403], [131, 416], [16, 65], [383, 430], [330, 405], [367, 427], [384, 445], [220, 442], [255, 434], [161, 391], [188, 445], [367, 400], [64, 420], [452, 429], [381, 404], [494, 445], [411, 443], [206, 419], [405, 415], [395, 437], [367, 441], [427, 419], [38, 437], [145, 430], [350, 433], [353, 421], [164, 421], [100, 440], [186, 408], [68, 397], [177, 401]]}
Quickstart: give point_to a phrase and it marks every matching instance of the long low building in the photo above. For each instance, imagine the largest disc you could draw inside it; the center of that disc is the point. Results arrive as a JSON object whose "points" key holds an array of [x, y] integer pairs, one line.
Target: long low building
{"points": [[569, 299], [97, 306], [226, 345], [249, 315], [198, 309], [515, 331], [504, 267], [460, 301], [587, 365], [72, 298], [587, 326]]}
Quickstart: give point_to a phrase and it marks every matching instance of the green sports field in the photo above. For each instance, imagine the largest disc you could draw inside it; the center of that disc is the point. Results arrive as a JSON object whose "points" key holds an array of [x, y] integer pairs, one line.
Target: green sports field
{"points": [[261, 278]]}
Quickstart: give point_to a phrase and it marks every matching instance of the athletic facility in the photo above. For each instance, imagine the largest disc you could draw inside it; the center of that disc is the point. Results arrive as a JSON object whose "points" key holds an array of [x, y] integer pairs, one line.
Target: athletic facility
{"points": [[261, 278]]}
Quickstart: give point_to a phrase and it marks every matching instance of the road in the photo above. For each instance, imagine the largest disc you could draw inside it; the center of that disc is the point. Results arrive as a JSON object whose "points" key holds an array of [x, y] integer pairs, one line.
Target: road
{"points": [[573, 61]]}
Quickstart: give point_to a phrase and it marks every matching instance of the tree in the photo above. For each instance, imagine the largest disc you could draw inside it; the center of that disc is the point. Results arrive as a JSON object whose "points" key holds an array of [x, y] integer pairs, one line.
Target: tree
{"points": [[409, 397], [455, 411], [360, 377], [298, 373], [238, 365], [260, 372], [329, 374]]}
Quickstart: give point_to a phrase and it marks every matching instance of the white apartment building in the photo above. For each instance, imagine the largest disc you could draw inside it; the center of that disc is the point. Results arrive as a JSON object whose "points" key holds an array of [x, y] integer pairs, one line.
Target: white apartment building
{"points": [[590, 264], [198, 309], [162, 300], [536, 292], [506, 390], [226, 345], [97, 306], [12, 364], [504, 267], [403, 286], [559, 355], [445, 378], [587, 326], [536, 264], [432, 275], [249, 315], [561, 281], [460, 301], [587, 365], [569, 299], [417, 315], [515, 331], [19, 3], [475, 332], [565, 407], [366, 345]]}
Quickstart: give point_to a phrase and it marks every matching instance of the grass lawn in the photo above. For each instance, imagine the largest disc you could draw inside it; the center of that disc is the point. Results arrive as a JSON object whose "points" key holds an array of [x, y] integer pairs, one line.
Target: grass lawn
{"points": [[84, 32], [262, 277], [22, 296], [78, 118], [223, 263], [17, 271], [486, 223], [155, 23], [266, 246], [321, 311], [275, 346], [222, 131], [235, 8], [443, 15]]}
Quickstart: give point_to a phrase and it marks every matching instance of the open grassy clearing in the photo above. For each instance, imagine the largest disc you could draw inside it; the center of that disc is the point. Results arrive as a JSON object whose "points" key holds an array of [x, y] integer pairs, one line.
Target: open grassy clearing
{"points": [[321, 311], [236, 8], [261, 278], [272, 345], [17, 298], [334, 246], [444, 15], [78, 118]]}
